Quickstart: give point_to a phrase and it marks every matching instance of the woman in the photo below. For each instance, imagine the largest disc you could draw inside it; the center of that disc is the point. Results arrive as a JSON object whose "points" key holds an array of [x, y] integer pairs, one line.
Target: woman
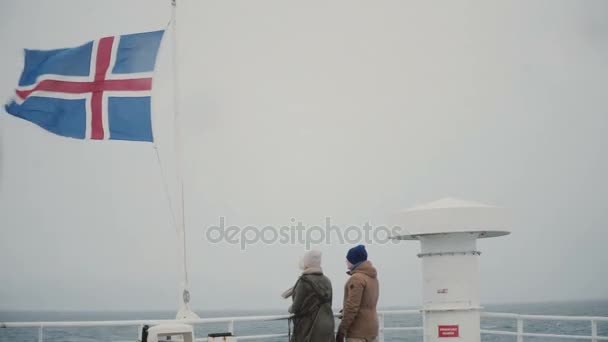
{"points": [[313, 319]]}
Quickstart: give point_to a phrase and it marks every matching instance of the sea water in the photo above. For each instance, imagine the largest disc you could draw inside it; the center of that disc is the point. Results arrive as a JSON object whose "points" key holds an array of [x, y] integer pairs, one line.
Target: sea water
{"points": [[587, 308]]}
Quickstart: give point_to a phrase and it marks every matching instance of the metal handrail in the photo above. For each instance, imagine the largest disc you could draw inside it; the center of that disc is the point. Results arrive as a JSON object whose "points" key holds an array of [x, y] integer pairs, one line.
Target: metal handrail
{"points": [[520, 334], [119, 323], [544, 317]]}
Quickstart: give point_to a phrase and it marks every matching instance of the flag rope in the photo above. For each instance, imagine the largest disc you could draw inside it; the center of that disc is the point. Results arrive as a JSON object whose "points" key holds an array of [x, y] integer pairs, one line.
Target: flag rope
{"points": [[165, 185]]}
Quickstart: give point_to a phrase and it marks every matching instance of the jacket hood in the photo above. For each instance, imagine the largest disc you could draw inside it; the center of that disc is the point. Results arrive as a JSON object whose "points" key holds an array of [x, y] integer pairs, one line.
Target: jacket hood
{"points": [[366, 268]]}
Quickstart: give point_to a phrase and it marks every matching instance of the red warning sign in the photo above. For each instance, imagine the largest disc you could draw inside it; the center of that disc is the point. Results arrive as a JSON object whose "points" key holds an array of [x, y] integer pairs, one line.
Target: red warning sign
{"points": [[448, 331]]}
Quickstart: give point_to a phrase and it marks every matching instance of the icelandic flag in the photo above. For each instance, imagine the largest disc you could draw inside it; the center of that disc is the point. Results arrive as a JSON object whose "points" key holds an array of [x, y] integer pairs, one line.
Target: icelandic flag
{"points": [[99, 90]]}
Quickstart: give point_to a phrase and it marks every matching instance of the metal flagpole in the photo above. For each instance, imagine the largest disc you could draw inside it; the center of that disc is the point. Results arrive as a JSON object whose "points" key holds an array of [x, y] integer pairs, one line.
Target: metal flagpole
{"points": [[184, 309]]}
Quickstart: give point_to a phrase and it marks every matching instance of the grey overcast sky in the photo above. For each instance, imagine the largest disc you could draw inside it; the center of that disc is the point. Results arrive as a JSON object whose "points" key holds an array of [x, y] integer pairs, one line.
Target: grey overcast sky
{"points": [[312, 109]]}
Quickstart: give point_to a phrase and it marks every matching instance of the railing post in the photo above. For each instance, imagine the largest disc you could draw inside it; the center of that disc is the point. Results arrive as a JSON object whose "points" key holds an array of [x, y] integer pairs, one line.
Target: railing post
{"points": [[40, 338], [231, 327], [593, 331], [381, 326], [520, 330], [140, 332]]}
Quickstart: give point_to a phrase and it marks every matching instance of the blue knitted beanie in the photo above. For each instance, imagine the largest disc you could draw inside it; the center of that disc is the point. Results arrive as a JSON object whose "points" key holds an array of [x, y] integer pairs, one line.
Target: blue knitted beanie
{"points": [[356, 254]]}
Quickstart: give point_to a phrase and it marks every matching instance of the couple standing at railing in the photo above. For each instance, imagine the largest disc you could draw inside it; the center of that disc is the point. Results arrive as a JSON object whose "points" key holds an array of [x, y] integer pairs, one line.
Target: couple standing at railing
{"points": [[313, 319]]}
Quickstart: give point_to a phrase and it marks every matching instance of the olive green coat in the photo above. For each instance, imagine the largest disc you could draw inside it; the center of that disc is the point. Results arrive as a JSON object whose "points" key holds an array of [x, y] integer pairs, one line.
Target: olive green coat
{"points": [[313, 319]]}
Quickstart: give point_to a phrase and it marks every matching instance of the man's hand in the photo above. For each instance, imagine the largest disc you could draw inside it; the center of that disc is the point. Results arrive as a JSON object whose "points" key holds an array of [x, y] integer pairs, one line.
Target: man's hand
{"points": [[339, 337]]}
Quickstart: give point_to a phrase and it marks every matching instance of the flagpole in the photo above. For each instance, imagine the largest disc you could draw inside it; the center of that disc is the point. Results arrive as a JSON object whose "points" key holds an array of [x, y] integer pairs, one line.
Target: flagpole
{"points": [[184, 311]]}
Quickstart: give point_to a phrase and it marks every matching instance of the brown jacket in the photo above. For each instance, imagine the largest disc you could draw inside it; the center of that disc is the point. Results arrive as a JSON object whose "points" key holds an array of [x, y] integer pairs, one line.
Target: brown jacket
{"points": [[359, 316]]}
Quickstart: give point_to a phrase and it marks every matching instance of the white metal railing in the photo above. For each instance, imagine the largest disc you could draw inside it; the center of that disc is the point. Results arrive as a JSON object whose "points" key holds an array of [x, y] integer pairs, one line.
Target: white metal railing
{"points": [[520, 334], [230, 321], [383, 328], [140, 323]]}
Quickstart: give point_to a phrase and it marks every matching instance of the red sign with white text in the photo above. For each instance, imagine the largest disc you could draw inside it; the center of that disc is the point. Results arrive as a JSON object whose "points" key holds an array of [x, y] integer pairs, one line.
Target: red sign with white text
{"points": [[448, 331]]}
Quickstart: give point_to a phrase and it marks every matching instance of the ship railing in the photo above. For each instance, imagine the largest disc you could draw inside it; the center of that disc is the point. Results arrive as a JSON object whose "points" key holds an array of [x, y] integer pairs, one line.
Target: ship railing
{"points": [[520, 319], [519, 334]]}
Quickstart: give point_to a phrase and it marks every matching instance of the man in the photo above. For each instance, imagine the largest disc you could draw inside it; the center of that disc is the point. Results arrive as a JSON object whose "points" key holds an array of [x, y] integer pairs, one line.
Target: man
{"points": [[359, 316]]}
